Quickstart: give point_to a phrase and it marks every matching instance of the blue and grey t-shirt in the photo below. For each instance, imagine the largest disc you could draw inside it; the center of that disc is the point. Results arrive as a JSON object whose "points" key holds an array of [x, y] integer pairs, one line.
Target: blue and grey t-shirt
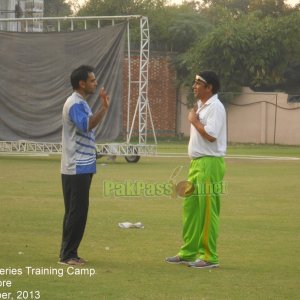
{"points": [[78, 143]]}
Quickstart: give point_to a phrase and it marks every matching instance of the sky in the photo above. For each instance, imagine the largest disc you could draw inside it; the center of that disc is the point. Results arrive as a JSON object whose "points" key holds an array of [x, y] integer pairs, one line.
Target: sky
{"points": [[291, 2]]}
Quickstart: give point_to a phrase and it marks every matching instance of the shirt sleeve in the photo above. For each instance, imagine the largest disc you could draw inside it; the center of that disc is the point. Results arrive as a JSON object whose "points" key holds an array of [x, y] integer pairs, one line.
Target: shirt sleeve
{"points": [[79, 117], [215, 121]]}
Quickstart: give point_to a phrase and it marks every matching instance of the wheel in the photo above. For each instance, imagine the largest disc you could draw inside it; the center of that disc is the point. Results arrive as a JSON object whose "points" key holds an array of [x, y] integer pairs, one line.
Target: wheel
{"points": [[98, 155], [132, 158]]}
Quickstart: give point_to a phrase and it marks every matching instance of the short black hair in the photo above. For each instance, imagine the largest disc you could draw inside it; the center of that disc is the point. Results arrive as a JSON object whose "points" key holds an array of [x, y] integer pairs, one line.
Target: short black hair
{"points": [[80, 73], [211, 78]]}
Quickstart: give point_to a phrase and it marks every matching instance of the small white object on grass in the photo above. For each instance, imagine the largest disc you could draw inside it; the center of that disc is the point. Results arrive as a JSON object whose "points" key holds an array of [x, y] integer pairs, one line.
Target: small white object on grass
{"points": [[127, 225]]}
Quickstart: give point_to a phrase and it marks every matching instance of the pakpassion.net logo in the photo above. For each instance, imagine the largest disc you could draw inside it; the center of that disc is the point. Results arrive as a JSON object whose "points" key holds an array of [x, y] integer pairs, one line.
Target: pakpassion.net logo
{"points": [[136, 188], [141, 188]]}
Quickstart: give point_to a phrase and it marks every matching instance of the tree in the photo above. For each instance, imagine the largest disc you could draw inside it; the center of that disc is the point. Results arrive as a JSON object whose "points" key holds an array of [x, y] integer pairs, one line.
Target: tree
{"points": [[251, 51], [248, 42], [172, 27], [232, 5], [273, 8], [56, 8], [74, 4]]}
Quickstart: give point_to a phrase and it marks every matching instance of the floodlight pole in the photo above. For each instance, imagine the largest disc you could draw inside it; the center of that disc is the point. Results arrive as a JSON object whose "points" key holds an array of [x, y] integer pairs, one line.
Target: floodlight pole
{"points": [[129, 83], [143, 80], [142, 106]]}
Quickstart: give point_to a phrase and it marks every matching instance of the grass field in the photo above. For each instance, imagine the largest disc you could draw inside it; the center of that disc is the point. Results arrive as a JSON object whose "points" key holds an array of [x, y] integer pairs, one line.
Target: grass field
{"points": [[258, 245]]}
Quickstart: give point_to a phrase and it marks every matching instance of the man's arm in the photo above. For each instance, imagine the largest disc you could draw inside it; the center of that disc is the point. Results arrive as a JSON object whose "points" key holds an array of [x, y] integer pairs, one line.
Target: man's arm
{"points": [[192, 117], [97, 117]]}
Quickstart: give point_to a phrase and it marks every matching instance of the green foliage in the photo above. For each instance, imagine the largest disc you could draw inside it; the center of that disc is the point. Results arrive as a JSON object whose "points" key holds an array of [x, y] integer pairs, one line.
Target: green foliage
{"points": [[249, 51], [247, 42], [273, 8], [154, 9], [172, 28], [252, 43], [186, 29], [56, 8]]}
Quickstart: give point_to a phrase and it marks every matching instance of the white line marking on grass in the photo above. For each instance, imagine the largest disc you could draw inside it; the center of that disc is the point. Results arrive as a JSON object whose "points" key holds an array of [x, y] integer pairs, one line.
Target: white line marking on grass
{"points": [[177, 155], [169, 155], [262, 157], [22, 154], [231, 156]]}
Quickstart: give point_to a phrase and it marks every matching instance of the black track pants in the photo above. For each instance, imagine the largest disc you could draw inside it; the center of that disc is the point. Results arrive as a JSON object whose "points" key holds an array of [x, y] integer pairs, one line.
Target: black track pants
{"points": [[76, 198]]}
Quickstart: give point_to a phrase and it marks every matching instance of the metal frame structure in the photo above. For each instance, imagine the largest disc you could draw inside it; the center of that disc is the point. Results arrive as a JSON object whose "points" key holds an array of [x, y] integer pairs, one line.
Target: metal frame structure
{"points": [[142, 109], [143, 104]]}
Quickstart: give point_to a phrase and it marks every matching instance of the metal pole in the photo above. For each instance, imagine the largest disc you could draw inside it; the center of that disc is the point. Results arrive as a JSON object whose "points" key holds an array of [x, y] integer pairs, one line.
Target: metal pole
{"points": [[275, 122], [143, 80], [129, 83]]}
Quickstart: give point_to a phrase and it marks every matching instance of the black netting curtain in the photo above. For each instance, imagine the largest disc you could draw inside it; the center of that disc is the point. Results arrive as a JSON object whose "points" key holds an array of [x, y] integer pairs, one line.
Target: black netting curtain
{"points": [[35, 73]]}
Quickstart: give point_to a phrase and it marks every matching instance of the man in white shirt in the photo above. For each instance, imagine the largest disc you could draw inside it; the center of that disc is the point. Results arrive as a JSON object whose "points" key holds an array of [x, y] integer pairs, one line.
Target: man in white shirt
{"points": [[207, 147]]}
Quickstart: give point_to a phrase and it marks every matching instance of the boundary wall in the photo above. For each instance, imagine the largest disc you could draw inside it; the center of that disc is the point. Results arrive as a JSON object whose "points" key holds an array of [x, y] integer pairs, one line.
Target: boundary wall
{"points": [[252, 117]]}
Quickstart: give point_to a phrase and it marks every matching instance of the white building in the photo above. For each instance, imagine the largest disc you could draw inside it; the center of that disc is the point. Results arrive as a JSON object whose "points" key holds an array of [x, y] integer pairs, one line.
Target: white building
{"points": [[21, 9]]}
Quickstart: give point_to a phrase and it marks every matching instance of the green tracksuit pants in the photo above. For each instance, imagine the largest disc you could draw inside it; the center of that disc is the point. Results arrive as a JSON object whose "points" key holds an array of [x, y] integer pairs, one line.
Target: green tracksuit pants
{"points": [[201, 210]]}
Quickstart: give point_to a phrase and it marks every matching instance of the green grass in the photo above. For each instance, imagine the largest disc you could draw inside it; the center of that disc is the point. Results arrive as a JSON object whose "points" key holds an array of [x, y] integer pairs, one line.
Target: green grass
{"points": [[258, 244]]}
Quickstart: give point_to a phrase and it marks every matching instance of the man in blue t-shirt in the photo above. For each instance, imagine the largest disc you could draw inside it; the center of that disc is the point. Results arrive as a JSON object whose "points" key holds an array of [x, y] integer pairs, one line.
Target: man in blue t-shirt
{"points": [[78, 160]]}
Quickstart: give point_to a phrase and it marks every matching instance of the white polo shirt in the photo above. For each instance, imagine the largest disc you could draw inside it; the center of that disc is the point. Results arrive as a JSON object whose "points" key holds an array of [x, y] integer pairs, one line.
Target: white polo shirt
{"points": [[212, 115]]}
